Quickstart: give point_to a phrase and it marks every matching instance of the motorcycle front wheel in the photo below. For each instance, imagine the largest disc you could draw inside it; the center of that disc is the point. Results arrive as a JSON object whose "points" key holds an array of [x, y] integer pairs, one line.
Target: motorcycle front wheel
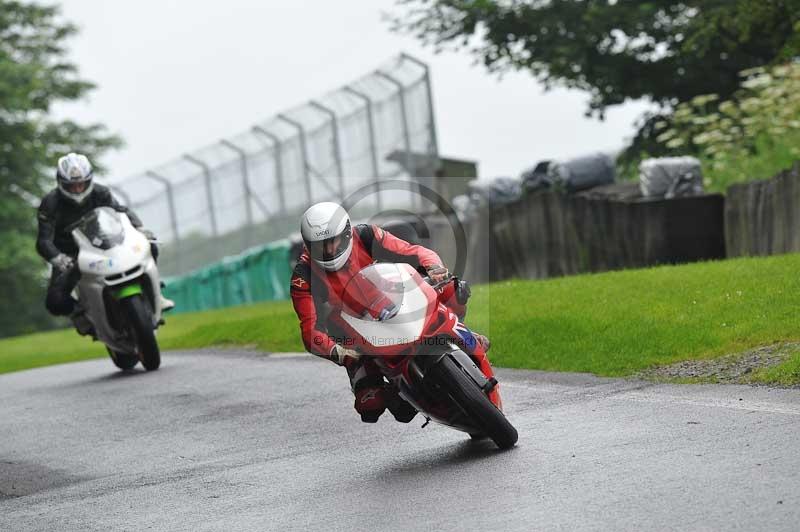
{"points": [[122, 360], [471, 399], [140, 317]]}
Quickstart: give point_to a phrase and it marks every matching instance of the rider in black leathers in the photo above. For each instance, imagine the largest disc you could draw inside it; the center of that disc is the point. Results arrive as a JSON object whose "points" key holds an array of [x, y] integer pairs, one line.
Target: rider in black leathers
{"points": [[75, 196], [56, 213]]}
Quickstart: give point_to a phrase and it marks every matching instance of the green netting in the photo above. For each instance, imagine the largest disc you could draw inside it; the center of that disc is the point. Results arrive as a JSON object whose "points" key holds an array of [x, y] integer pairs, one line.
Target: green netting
{"points": [[258, 274]]}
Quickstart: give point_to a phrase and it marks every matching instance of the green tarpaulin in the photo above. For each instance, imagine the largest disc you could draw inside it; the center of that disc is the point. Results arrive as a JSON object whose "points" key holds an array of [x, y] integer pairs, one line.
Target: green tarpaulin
{"points": [[258, 274]]}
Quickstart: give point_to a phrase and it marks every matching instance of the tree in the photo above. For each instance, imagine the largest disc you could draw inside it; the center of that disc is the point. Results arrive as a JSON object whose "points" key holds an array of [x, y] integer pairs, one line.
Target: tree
{"points": [[666, 51], [754, 134], [34, 74]]}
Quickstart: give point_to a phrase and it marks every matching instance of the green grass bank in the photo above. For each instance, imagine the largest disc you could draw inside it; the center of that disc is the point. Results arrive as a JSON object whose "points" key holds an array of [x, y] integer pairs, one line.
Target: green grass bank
{"points": [[612, 324]]}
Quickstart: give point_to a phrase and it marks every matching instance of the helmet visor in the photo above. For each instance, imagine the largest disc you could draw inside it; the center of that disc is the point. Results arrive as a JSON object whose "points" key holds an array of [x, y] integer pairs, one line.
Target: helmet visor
{"points": [[75, 187], [330, 248]]}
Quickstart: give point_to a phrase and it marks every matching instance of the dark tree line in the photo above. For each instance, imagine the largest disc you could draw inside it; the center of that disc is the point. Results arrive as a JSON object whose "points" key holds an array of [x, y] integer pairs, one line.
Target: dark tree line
{"points": [[34, 74]]}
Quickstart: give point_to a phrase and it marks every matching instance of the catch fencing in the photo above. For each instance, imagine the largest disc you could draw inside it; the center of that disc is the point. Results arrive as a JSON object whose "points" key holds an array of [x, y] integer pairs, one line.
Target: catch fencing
{"points": [[249, 189]]}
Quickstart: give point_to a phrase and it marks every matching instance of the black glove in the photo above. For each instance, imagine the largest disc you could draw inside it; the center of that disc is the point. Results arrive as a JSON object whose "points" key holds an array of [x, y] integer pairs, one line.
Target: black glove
{"points": [[62, 262]]}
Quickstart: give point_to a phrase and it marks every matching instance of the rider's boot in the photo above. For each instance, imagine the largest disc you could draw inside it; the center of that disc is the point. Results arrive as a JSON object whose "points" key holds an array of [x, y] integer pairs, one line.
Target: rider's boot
{"points": [[166, 304], [370, 403], [399, 407], [368, 387]]}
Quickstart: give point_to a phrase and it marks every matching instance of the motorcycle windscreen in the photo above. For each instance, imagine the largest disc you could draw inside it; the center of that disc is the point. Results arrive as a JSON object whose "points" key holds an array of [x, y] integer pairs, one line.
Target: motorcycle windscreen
{"points": [[102, 228], [387, 304]]}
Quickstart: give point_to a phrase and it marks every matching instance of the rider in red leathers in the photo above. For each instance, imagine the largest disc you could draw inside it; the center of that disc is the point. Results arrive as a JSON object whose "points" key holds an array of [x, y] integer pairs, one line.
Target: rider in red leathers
{"points": [[334, 252]]}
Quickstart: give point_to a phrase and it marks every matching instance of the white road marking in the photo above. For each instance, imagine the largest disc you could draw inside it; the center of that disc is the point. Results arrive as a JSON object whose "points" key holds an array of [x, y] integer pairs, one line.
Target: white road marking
{"points": [[732, 404]]}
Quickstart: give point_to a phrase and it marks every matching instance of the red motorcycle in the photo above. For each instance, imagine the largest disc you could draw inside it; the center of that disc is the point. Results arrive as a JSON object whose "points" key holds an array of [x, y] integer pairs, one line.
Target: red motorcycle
{"points": [[390, 313]]}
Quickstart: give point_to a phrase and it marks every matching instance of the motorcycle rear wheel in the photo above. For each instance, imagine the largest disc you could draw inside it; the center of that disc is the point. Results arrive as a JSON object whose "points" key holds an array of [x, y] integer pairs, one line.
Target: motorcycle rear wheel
{"points": [[122, 360], [140, 317], [471, 399]]}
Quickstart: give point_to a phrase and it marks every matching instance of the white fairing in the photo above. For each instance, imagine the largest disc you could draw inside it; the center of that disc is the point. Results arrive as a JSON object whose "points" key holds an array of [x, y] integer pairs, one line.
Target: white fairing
{"points": [[126, 259], [401, 284]]}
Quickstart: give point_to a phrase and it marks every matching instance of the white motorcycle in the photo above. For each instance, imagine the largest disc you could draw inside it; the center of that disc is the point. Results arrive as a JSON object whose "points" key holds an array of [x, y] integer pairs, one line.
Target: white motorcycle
{"points": [[119, 288]]}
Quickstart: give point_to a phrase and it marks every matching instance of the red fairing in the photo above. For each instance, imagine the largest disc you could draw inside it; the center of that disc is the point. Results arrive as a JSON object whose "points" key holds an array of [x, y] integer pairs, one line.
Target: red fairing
{"points": [[439, 321], [362, 297], [486, 368], [443, 322], [448, 328], [447, 295]]}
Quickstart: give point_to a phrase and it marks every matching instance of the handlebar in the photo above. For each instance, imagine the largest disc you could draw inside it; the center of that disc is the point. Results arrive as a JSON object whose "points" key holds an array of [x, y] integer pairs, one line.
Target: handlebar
{"points": [[463, 291], [441, 283]]}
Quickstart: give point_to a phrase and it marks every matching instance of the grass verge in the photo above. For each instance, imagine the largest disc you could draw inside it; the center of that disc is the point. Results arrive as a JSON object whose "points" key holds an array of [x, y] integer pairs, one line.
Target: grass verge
{"points": [[613, 324], [267, 326], [785, 374]]}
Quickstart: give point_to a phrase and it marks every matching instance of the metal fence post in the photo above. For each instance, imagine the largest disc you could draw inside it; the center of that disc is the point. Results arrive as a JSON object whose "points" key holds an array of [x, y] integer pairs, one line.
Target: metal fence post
{"points": [[336, 145], [431, 117], [248, 196], [303, 152], [209, 194], [410, 167], [245, 179], [276, 142], [403, 112], [373, 145], [173, 215]]}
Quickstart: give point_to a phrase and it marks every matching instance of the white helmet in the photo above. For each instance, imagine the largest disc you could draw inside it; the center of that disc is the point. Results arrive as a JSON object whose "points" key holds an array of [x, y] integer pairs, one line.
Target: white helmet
{"points": [[327, 234], [74, 176]]}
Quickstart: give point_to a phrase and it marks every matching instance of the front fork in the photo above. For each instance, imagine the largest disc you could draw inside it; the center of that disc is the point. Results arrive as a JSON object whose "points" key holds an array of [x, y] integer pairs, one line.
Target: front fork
{"points": [[475, 364], [475, 349], [482, 373]]}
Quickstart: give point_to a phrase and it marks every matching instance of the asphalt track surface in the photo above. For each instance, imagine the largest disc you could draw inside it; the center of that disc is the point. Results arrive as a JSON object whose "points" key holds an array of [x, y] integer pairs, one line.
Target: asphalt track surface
{"points": [[228, 440]]}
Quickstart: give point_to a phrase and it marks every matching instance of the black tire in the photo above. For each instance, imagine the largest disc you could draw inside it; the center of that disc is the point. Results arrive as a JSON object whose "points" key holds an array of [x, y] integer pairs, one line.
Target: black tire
{"points": [[471, 399], [140, 317], [122, 360]]}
